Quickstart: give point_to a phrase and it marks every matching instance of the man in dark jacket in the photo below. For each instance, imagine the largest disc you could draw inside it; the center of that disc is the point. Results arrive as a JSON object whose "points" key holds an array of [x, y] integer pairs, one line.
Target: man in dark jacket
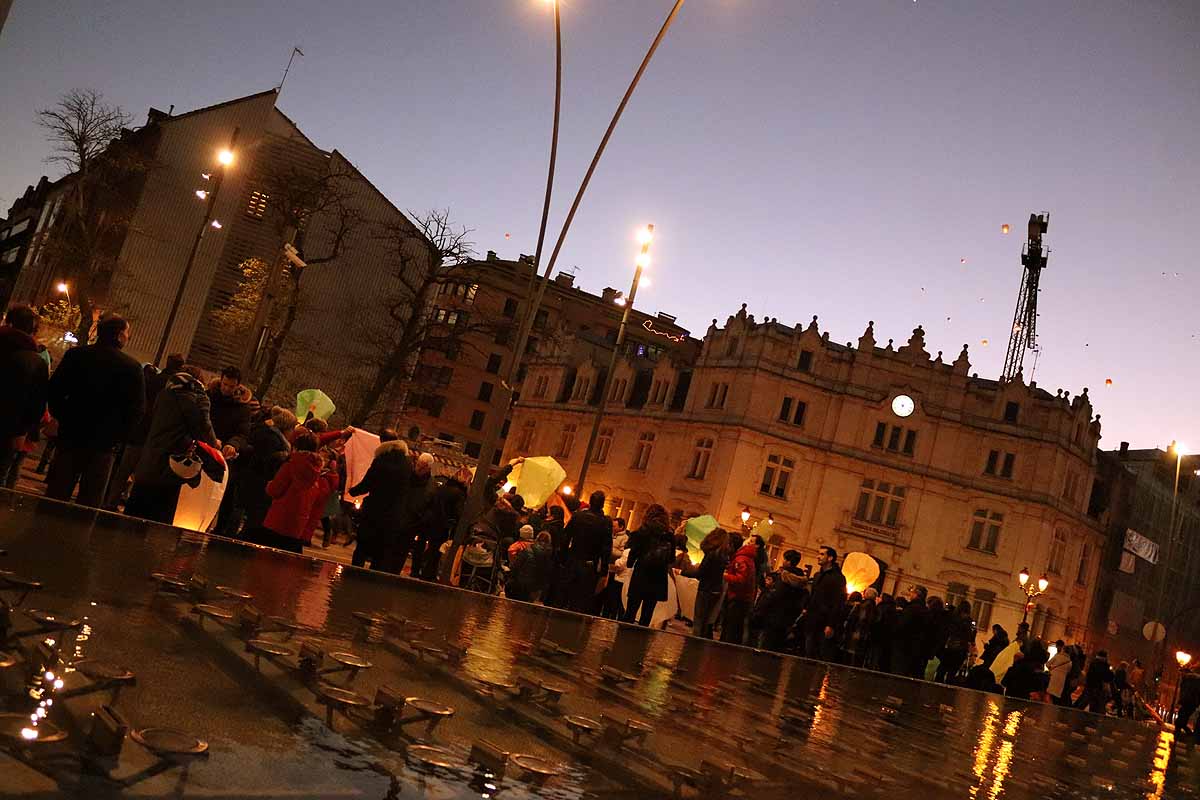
{"points": [[908, 642], [1189, 699], [589, 537], [386, 488], [441, 518], [827, 596], [180, 418], [233, 411], [651, 548], [1097, 684], [780, 606], [131, 452], [265, 452], [98, 395], [24, 375]]}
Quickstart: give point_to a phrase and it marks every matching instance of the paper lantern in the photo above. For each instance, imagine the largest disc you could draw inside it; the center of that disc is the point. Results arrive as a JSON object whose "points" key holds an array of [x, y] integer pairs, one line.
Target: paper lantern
{"points": [[696, 529], [1004, 228], [860, 570], [1108, 381], [536, 479], [983, 342], [316, 401]]}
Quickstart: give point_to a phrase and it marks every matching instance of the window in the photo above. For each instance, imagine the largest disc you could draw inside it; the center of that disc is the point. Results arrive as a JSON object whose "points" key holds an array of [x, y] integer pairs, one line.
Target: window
{"points": [[617, 393], [1002, 461], [503, 336], [510, 307], [981, 609], [10, 256], [731, 346], [466, 292], [894, 438], [805, 362], [541, 387], [504, 428], [603, 445], [539, 319], [1011, 412], [493, 363], [985, 530], [446, 437], [525, 444], [645, 445], [955, 594], [785, 410], [1058, 551], [531, 345], [472, 449], [485, 392], [1071, 487], [1085, 555], [879, 503], [700, 458], [257, 205], [580, 393], [566, 441], [431, 404], [717, 395], [776, 475], [477, 418]]}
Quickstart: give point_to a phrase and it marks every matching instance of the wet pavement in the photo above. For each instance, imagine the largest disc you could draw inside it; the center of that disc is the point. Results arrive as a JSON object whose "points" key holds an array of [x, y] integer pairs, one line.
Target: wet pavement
{"points": [[545, 703]]}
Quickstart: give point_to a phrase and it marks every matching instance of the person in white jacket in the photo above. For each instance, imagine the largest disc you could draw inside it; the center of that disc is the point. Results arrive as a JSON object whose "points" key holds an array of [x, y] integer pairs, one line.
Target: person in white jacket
{"points": [[618, 570], [1059, 668]]}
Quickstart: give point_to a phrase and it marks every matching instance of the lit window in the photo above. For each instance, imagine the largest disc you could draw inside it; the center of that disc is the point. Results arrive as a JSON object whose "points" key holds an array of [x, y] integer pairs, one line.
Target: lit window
{"points": [[257, 205], [700, 459], [985, 530], [776, 475], [879, 503]]}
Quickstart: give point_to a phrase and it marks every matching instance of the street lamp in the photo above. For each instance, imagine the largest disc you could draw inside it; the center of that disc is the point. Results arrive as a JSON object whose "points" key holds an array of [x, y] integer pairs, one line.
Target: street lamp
{"points": [[1178, 449], [645, 236], [63, 288], [745, 518], [1031, 592], [224, 159], [1182, 658]]}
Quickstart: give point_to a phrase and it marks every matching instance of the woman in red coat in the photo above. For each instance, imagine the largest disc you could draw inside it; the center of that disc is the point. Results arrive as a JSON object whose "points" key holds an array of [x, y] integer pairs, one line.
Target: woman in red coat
{"points": [[295, 491], [740, 586]]}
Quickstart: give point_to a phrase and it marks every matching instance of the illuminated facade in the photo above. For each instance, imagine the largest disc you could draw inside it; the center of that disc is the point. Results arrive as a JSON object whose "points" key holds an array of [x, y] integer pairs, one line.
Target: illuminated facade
{"points": [[948, 480]]}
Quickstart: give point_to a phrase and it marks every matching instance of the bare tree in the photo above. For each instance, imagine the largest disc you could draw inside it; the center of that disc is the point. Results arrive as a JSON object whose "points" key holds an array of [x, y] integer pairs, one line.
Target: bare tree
{"points": [[300, 200], [104, 163], [425, 255]]}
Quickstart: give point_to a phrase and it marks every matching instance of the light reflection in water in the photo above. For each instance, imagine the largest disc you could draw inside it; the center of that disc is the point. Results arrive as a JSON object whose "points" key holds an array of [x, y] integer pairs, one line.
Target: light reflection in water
{"points": [[819, 708], [1162, 758], [983, 748]]}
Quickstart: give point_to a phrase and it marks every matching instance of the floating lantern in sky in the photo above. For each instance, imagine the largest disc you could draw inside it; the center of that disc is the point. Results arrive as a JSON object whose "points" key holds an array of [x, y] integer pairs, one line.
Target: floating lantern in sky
{"points": [[508, 236], [983, 342], [1004, 228], [962, 261], [1108, 381]]}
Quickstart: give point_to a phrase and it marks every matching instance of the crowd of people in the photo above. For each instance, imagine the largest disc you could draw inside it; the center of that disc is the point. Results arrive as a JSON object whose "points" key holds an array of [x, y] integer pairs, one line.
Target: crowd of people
{"points": [[128, 437]]}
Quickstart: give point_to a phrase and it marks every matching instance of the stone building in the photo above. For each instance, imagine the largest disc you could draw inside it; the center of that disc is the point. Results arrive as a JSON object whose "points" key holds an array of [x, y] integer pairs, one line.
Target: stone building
{"points": [[1146, 573], [340, 300], [453, 385], [947, 479]]}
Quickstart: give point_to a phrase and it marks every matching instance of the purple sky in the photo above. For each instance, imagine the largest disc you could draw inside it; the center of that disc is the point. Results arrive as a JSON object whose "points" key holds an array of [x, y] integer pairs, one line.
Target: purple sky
{"points": [[830, 158]]}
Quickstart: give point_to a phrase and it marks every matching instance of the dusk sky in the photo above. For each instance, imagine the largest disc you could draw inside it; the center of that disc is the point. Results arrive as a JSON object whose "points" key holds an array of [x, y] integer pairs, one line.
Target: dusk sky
{"points": [[829, 158]]}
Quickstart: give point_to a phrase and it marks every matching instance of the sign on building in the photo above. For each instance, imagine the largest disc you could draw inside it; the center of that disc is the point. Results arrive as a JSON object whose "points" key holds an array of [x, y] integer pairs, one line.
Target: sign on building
{"points": [[1140, 546]]}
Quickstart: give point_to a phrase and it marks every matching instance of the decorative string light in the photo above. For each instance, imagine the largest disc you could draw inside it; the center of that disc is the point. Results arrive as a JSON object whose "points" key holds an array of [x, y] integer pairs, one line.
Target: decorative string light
{"points": [[648, 325]]}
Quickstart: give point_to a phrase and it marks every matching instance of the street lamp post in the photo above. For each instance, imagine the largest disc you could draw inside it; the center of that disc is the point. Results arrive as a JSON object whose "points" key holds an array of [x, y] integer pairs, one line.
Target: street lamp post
{"points": [[1031, 591], [643, 260], [1178, 448], [224, 159], [503, 398]]}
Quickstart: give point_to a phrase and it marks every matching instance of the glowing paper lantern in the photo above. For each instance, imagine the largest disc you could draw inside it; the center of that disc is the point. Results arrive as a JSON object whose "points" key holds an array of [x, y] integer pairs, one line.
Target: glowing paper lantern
{"points": [[983, 342], [860, 570], [508, 236], [536, 479], [1108, 381], [696, 529], [316, 401], [1004, 228], [962, 261]]}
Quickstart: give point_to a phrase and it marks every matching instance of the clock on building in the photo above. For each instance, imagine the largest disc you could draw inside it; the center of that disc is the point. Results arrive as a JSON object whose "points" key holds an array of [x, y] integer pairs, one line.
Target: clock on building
{"points": [[903, 405]]}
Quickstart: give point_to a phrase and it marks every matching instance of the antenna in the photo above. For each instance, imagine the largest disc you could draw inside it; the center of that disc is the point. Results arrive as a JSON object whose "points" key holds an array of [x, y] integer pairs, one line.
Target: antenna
{"points": [[1024, 327], [295, 51]]}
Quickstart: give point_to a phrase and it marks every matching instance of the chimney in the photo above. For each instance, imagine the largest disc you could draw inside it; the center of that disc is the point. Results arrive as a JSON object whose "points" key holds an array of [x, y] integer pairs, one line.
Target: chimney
{"points": [[491, 255], [525, 259], [609, 294], [1124, 450], [665, 317], [565, 279]]}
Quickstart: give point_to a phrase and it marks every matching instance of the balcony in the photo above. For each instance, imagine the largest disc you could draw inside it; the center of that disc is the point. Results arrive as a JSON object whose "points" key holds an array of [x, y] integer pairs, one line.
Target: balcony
{"points": [[899, 535]]}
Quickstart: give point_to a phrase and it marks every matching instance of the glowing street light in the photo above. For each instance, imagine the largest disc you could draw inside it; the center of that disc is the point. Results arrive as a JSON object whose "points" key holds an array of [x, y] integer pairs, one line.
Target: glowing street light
{"points": [[745, 515], [1043, 583], [646, 235], [567, 490], [216, 224], [1182, 658], [62, 287], [202, 194], [225, 157]]}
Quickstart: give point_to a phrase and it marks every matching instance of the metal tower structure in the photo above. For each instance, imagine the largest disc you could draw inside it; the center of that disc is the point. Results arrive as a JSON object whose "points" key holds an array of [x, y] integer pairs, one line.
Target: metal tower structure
{"points": [[1024, 328]]}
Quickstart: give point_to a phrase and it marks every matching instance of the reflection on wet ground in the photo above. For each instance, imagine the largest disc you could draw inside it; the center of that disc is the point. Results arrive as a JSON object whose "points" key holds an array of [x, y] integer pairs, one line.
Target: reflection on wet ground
{"points": [[310, 679]]}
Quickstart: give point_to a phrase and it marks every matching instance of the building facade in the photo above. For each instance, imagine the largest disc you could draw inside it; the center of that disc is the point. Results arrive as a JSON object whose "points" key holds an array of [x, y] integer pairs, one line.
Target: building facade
{"points": [[454, 382], [1150, 565], [28, 219], [339, 301], [948, 480]]}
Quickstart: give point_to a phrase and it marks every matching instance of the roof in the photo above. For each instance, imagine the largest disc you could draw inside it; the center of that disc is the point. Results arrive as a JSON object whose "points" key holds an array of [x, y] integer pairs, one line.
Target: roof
{"points": [[222, 104]]}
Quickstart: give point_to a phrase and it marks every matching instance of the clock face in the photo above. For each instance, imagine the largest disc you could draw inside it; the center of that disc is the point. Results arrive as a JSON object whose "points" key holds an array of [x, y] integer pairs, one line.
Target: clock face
{"points": [[903, 405]]}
